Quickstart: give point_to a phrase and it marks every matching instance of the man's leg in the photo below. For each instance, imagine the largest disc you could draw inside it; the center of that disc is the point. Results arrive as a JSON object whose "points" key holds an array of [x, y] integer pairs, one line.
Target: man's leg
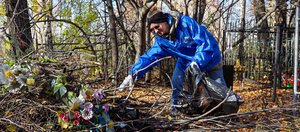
{"points": [[177, 80], [218, 76]]}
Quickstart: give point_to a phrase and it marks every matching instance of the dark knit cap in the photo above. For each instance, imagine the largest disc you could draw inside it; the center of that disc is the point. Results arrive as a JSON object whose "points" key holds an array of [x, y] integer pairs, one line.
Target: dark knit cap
{"points": [[158, 18]]}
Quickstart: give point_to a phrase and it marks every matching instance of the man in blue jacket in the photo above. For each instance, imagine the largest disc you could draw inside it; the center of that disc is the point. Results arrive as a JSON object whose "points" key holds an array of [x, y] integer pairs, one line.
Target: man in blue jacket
{"points": [[186, 40]]}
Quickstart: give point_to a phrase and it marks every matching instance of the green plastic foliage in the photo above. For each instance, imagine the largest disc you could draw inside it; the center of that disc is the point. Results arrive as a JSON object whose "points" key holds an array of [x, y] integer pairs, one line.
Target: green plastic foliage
{"points": [[58, 85], [59, 88], [71, 95]]}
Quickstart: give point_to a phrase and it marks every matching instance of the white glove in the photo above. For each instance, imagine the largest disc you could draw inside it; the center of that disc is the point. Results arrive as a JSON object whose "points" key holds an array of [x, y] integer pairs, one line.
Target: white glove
{"points": [[128, 81], [195, 67], [194, 64]]}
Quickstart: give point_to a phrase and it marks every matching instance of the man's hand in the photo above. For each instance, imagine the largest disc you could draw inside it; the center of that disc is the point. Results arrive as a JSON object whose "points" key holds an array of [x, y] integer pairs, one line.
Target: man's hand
{"points": [[128, 81]]}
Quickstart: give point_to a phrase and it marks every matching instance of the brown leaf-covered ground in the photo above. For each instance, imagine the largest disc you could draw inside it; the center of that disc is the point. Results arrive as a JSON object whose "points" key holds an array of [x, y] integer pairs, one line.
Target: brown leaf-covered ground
{"points": [[150, 112], [258, 112]]}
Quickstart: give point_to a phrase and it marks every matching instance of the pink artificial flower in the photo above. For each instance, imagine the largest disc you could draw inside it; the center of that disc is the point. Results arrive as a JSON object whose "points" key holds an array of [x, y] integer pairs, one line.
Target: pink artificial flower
{"points": [[285, 82], [87, 114], [283, 75], [77, 115], [65, 118], [62, 115], [76, 122], [88, 106], [292, 80], [105, 108]]}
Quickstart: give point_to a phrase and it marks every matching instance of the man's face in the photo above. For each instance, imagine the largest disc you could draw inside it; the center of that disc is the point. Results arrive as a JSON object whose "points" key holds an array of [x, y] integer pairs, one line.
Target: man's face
{"points": [[161, 29]]}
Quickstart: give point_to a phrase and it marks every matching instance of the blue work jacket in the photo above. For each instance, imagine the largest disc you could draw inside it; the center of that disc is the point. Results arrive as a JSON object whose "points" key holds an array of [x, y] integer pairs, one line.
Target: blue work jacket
{"points": [[192, 43]]}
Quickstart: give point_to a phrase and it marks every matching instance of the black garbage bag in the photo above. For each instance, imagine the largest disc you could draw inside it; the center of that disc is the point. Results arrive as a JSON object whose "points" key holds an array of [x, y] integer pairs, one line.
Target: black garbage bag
{"points": [[201, 93]]}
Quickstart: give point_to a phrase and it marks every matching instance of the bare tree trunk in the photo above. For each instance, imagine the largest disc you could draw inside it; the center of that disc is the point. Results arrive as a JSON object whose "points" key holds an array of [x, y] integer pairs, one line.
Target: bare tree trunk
{"points": [[140, 48], [281, 22], [125, 37], [148, 41], [106, 51], [263, 35], [49, 36], [186, 6], [242, 34], [19, 25], [113, 40], [142, 11], [199, 10]]}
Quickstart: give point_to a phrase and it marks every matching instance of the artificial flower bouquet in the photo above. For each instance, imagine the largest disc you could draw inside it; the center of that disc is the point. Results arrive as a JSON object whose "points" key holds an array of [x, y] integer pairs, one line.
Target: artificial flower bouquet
{"points": [[87, 111], [288, 81]]}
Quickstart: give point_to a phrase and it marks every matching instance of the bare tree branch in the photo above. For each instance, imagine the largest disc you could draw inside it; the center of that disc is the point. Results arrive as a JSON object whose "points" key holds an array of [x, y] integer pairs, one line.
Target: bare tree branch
{"points": [[76, 25]]}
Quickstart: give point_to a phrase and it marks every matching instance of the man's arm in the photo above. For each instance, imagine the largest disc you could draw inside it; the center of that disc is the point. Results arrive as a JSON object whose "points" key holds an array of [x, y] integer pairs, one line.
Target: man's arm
{"points": [[153, 54]]}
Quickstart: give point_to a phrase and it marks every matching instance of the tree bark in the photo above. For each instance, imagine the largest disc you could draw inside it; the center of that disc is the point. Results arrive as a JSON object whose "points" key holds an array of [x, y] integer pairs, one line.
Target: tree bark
{"points": [[263, 35], [199, 10], [142, 11], [49, 36], [113, 40], [105, 53], [280, 23], [242, 35], [186, 6], [19, 26]]}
